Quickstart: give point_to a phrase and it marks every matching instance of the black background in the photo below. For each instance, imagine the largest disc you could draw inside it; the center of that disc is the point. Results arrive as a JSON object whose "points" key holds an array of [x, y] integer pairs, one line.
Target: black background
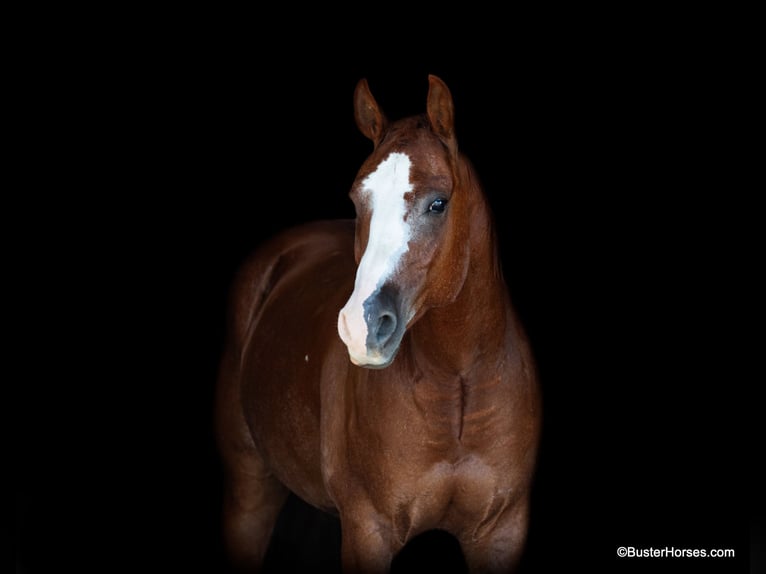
{"points": [[163, 151]]}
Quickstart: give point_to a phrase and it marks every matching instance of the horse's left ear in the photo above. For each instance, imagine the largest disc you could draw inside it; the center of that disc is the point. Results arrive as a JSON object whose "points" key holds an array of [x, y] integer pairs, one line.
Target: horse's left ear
{"points": [[441, 112]]}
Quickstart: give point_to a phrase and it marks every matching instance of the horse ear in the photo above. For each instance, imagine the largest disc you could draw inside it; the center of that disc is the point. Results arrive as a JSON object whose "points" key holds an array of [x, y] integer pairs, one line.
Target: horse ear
{"points": [[441, 112], [368, 115]]}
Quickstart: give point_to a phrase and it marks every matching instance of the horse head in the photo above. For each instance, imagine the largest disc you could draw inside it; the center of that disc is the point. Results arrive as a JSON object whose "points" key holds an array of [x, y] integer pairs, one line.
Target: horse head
{"points": [[412, 214]]}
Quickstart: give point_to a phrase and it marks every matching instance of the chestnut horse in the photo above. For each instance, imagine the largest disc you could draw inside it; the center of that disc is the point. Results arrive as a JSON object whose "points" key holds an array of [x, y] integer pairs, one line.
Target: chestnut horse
{"points": [[376, 368]]}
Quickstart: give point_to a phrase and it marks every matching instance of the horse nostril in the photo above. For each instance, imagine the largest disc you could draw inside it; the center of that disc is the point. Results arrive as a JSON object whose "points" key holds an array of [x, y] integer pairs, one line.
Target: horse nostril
{"points": [[382, 318], [385, 327]]}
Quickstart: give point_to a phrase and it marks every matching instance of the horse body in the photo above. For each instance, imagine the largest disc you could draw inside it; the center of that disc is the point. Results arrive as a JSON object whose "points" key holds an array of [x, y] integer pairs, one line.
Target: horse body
{"points": [[424, 412]]}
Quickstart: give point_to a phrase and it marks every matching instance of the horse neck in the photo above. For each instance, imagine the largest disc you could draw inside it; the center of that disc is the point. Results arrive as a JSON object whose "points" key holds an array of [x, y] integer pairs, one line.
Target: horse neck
{"points": [[472, 328]]}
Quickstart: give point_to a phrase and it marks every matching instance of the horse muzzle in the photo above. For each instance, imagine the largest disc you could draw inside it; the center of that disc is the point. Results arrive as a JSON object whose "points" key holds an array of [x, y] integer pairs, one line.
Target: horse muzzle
{"points": [[372, 330]]}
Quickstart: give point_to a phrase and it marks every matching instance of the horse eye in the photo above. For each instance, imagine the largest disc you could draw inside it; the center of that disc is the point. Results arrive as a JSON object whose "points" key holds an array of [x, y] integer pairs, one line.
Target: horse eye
{"points": [[437, 206]]}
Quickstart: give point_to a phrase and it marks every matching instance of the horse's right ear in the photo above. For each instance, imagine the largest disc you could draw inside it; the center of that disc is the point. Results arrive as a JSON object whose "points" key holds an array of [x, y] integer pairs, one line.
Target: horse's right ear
{"points": [[369, 118]]}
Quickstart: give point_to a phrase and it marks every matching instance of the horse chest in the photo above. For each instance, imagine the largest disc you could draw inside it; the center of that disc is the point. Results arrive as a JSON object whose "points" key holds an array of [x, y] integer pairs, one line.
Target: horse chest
{"points": [[417, 439], [418, 495], [460, 414]]}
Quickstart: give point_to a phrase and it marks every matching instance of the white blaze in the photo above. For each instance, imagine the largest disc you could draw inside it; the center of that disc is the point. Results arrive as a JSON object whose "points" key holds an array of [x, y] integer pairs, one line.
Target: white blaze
{"points": [[383, 191]]}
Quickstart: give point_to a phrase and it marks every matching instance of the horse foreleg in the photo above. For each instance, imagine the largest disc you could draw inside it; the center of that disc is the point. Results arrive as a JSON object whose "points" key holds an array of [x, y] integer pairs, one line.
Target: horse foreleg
{"points": [[498, 550], [251, 506], [365, 544]]}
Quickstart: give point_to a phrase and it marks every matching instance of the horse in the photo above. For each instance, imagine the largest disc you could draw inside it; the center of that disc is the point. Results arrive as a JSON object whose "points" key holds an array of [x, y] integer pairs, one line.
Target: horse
{"points": [[376, 368]]}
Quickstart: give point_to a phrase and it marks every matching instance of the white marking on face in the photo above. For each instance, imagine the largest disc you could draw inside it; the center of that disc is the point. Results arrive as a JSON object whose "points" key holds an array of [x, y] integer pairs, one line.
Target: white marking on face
{"points": [[383, 191]]}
